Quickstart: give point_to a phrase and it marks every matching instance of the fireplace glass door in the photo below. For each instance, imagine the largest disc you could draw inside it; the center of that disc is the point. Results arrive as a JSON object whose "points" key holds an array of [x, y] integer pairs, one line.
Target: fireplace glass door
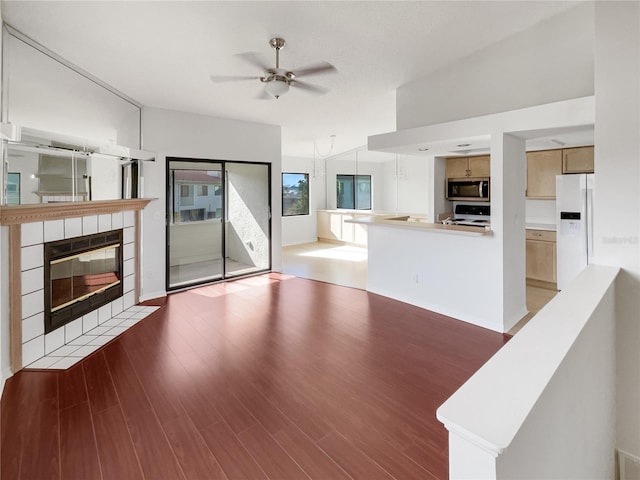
{"points": [[79, 276]]}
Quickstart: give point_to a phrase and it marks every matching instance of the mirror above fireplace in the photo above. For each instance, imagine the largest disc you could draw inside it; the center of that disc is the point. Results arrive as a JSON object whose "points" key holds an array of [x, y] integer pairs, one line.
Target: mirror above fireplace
{"points": [[44, 167]]}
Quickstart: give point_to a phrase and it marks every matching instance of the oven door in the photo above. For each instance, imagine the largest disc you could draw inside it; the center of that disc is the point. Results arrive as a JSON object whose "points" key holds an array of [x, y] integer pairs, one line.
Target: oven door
{"points": [[468, 189]]}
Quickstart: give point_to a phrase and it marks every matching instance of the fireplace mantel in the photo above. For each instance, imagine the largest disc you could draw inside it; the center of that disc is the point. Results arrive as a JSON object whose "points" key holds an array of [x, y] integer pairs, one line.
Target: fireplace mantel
{"points": [[19, 214]]}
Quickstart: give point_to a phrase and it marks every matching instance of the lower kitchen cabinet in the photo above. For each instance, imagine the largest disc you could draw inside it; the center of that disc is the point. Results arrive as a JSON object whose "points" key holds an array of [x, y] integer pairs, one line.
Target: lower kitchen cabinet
{"points": [[541, 258], [332, 227]]}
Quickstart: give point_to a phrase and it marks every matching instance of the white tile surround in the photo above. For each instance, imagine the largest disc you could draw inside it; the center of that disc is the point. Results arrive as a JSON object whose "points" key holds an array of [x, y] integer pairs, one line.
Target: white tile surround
{"points": [[72, 350], [69, 344]]}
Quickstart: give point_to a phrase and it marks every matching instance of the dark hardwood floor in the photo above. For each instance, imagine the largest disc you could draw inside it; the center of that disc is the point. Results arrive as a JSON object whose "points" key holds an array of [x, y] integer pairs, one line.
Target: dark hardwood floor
{"points": [[267, 377]]}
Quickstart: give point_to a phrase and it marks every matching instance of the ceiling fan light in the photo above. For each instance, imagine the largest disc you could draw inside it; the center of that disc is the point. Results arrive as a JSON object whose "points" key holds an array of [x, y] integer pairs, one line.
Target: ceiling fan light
{"points": [[276, 88]]}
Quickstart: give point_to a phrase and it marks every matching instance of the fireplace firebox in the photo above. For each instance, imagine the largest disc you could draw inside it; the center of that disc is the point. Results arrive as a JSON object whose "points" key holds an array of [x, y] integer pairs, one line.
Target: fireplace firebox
{"points": [[81, 274]]}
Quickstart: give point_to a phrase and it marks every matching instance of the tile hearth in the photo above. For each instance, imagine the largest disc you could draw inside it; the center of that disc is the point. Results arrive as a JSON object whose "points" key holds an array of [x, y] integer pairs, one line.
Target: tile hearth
{"points": [[84, 345]]}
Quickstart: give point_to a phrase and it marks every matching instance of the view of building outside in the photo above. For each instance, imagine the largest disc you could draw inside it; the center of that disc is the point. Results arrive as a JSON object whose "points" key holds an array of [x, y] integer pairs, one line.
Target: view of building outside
{"points": [[197, 195]]}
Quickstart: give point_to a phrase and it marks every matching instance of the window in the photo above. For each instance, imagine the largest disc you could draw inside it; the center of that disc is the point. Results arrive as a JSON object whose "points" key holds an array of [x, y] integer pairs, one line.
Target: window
{"points": [[13, 189], [186, 195], [295, 194], [354, 192], [203, 190]]}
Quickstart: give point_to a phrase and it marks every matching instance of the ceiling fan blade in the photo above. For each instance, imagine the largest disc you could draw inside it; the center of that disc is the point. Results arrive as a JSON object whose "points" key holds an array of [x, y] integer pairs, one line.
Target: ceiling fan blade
{"points": [[309, 87], [317, 69], [254, 59], [231, 78]]}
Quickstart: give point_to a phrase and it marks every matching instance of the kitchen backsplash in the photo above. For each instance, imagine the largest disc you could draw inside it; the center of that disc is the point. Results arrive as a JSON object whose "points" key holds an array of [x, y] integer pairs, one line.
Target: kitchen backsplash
{"points": [[540, 211]]}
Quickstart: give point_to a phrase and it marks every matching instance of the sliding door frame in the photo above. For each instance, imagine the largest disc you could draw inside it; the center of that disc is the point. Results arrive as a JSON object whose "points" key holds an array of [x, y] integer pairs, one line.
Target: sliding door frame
{"points": [[225, 214]]}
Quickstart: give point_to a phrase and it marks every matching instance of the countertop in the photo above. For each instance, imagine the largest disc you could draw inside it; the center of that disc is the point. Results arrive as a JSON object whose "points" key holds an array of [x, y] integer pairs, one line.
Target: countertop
{"points": [[551, 227], [420, 223]]}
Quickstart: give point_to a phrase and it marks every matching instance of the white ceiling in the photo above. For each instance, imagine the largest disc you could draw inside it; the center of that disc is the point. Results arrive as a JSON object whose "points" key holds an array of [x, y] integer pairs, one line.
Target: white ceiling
{"points": [[162, 53]]}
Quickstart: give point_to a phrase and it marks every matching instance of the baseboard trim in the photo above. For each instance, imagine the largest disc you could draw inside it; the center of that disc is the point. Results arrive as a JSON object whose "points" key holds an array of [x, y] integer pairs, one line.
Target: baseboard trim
{"points": [[340, 242], [152, 296], [542, 284], [6, 373]]}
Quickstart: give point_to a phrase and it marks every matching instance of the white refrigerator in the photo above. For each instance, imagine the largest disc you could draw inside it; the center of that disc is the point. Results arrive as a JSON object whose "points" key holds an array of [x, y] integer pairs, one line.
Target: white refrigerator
{"points": [[574, 223]]}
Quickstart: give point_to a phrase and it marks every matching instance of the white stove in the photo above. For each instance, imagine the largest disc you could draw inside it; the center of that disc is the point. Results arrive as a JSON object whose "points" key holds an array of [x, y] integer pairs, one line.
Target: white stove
{"points": [[477, 214]]}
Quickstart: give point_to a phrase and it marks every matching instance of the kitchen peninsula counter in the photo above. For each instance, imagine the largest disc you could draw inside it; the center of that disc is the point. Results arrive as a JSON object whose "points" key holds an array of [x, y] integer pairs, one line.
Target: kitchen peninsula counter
{"points": [[419, 223], [453, 270]]}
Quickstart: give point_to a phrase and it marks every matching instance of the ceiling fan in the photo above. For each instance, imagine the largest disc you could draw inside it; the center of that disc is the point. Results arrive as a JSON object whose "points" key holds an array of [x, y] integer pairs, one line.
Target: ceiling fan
{"points": [[278, 80]]}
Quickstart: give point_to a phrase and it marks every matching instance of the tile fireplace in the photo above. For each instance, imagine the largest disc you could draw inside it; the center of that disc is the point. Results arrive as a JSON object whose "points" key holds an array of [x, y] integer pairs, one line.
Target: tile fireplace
{"points": [[91, 251]]}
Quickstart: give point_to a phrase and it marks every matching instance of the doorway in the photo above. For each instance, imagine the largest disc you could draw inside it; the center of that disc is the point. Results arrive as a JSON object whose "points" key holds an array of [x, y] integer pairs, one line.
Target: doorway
{"points": [[218, 220]]}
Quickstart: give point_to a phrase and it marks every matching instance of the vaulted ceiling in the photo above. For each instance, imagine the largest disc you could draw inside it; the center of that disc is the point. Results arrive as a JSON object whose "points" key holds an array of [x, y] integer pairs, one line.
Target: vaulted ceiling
{"points": [[162, 53]]}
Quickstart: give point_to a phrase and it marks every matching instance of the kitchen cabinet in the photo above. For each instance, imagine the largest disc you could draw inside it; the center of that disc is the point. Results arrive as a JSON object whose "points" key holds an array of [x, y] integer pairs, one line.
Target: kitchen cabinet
{"points": [[577, 160], [542, 168], [541, 258], [332, 227], [460, 167]]}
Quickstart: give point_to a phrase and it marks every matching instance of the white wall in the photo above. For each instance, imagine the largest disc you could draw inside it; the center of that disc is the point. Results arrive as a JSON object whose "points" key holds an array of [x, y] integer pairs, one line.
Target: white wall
{"points": [[617, 194], [304, 228], [106, 177], [550, 62], [180, 134], [540, 211], [406, 184], [508, 160], [5, 359]]}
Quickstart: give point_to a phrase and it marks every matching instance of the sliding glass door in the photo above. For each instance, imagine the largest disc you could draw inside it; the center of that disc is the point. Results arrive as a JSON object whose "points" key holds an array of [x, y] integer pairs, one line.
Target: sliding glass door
{"points": [[218, 222], [247, 229], [194, 236]]}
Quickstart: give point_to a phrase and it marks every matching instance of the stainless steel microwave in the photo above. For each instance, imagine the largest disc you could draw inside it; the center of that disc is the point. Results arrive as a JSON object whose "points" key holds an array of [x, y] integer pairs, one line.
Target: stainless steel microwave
{"points": [[469, 189]]}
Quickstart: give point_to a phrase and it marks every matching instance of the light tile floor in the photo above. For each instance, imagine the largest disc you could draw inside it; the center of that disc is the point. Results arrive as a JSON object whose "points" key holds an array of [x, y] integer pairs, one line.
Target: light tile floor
{"points": [[344, 265], [81, 347], [536, 299]]}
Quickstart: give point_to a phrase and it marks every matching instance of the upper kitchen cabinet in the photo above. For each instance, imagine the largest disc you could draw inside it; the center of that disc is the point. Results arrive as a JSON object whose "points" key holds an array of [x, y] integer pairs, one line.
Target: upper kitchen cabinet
{"points": [[542, 168], [577, 160], [460, 167]]}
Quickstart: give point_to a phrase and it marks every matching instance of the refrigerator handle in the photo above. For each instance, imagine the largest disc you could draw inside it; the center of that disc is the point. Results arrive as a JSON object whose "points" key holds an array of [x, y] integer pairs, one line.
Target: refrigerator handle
{"points": [[589, 225]]}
